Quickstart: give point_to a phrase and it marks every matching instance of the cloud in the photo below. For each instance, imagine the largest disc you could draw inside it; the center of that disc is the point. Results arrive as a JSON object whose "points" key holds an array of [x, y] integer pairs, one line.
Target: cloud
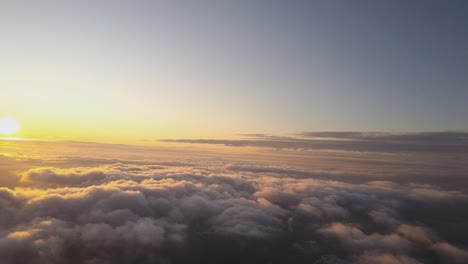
{"points": [[219, 210], [385, 258], [48, 177], [434, 137], [450, 253], [355, 240], [416, 233], [445, 142]]}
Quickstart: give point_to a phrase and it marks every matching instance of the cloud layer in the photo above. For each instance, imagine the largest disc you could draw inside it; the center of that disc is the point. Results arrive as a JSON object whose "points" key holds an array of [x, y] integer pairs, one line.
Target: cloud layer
{"points": [[212, 211]]}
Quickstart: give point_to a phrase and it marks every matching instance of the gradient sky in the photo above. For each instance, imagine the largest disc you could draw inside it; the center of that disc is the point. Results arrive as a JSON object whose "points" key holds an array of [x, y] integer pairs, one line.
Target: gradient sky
{"points": [[127, 71]]}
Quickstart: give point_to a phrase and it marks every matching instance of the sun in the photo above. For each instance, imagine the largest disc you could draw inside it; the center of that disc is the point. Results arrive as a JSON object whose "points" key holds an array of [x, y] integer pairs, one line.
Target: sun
{"points": [[9, 126]]}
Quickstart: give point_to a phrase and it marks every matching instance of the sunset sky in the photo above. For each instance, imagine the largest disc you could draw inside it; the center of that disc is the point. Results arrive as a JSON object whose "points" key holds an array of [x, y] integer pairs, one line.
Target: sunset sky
{"points": [[124, 71], [243, 131]]}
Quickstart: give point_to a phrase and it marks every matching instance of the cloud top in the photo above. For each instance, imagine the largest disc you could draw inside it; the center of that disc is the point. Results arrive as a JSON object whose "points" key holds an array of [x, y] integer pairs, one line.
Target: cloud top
{"points": [[96, 210]]}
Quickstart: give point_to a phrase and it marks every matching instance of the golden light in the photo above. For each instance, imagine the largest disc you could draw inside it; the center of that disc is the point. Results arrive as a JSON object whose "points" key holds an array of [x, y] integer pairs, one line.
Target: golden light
{"points": [[9, 126]]}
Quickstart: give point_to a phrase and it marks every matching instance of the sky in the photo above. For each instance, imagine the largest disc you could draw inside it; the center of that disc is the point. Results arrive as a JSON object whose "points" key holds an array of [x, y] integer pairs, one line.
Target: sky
{"points": [[127, 71]]}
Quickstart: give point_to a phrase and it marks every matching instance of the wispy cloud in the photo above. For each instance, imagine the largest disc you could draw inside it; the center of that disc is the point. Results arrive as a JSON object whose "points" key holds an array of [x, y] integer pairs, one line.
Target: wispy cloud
{"points": [[455, 142]]}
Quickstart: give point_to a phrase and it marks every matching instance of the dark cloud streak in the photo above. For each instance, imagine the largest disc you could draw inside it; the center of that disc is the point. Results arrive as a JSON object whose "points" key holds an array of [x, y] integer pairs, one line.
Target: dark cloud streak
{"points": [[447, 142]]}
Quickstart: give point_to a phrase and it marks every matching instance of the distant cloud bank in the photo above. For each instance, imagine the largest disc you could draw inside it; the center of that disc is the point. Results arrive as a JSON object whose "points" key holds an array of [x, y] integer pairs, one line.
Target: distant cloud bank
{"points": [[454, 142]]}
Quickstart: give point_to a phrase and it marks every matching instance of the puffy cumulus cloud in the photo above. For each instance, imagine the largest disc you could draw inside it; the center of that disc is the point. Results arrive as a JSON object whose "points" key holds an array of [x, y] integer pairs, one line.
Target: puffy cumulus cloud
{"points": [[355, 240], [416, 233], [450, 253], [50, 177], [385, 258], [208, 212]]}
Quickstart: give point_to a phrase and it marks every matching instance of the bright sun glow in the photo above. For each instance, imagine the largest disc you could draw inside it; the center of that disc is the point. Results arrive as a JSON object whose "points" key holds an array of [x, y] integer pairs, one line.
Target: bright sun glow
{"points": [[9, 126]]}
